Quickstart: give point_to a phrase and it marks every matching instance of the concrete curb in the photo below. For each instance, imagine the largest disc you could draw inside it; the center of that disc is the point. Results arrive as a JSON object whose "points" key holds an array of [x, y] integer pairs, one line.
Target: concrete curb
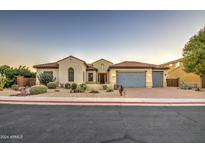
{"points": [[101, 101]]}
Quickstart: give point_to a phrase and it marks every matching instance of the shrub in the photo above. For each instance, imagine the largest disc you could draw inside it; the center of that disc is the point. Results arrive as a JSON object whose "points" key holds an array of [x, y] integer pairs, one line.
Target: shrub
{"points": [[83, 87], [52, 85], [184, 86], [2, 81], [74, 86], [94, 91], [62, 85], [38, 89], [15, 87], [67, 86], [197, 89], [104, 87], [116, 86], [109, 90], [45, 78]]}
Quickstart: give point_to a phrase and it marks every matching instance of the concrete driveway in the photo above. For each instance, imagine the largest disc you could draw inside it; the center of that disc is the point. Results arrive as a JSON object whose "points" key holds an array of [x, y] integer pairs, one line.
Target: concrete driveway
{"points": [[168, 92], [27, 123]]}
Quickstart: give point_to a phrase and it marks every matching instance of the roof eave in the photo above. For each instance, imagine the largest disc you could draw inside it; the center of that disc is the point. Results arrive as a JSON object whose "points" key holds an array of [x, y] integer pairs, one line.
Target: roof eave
{"points": [[44, 67], [129, 67]]}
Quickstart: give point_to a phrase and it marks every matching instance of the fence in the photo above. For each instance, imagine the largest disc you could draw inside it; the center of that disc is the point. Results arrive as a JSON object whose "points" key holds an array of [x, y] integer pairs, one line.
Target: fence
{"points": [[24, 82]]}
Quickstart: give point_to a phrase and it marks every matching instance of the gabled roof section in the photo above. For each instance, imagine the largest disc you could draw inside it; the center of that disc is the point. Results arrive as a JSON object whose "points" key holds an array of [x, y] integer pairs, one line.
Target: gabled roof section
{"points": [[47, 65], [102, 59], [55, 64], [173, 61], [135, 64], [74, 58]]}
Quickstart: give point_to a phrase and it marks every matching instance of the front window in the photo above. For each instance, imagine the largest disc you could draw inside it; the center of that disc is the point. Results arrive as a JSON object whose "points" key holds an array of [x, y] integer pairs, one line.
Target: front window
{"points": [[90, 77], [71, 74], [102, 66]]}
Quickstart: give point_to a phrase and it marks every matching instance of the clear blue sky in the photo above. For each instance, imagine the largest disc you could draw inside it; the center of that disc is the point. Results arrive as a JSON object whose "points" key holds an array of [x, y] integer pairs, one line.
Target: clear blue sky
{"points": [[32, 37]]}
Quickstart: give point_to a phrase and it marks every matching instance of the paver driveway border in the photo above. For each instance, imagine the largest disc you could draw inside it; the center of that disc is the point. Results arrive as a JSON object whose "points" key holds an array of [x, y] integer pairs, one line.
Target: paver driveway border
{"points": [[102, 101]]}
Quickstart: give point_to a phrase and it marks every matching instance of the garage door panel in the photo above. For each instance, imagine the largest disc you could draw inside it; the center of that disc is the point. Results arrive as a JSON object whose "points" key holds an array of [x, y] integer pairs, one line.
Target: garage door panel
{"points": [[131, 79], [157, 78]]}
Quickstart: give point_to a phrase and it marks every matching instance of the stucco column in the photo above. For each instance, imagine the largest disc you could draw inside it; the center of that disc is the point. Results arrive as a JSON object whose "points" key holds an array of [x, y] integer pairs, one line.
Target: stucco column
{"points": [[149, 78], [112, 78], [164, 79]]}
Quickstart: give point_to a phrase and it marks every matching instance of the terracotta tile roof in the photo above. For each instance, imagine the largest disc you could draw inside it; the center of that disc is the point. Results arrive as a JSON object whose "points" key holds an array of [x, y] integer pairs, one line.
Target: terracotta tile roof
{"points": [[134, 64], [47, 65], [90, 67]]}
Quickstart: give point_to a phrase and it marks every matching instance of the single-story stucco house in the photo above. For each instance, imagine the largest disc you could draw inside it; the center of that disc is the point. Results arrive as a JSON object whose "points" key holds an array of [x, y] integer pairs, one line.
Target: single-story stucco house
{"points": [[177, 76], [102, 71]]}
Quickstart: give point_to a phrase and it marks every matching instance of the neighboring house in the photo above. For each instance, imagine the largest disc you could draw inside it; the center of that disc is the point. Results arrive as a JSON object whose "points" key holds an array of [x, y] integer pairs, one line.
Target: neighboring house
{"points": [[176, 75], [128, 73]]}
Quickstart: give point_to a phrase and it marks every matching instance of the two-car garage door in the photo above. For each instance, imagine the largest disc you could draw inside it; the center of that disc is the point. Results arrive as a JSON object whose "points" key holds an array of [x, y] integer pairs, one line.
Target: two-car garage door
{"points": [[131, 79], [138, 79]]}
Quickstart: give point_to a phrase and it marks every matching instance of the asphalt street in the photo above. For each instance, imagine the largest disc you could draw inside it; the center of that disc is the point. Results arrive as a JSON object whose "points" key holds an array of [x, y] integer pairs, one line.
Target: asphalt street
{"points": [[103, 124]]}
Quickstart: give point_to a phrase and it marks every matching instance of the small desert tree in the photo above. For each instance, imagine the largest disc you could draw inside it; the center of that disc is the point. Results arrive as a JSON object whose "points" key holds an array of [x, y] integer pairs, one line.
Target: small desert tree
{"points": [[2, 81], [194, 54], [45, 78]]}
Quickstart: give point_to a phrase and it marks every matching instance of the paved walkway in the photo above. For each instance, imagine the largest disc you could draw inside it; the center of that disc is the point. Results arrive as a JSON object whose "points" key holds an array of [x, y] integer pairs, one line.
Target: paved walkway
{"points": [[99, 101]]}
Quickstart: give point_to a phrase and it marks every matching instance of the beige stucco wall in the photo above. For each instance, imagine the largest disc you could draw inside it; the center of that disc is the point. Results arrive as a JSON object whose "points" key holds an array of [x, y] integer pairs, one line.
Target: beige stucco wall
{"points": [[94, 76], [190, 79], [79, 69], [55, 73], [98, 65], [112, 75], [176, 71]]}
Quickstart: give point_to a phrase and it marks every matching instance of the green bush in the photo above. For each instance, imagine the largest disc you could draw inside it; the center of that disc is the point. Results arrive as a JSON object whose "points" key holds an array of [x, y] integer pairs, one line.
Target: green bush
{"points": [[2, 81], [45, 78], [109, 90], [62, 85], [38, 89], [74, 86], [197, 89], [104, 87], [52, 85], [94, 91], [184, 86], [67, 86], [116, 86], [11, 73], [83, 87], [15, 87]]}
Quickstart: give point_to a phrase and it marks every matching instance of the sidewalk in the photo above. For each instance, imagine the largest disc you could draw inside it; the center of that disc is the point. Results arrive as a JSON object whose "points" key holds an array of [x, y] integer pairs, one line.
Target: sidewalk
{"points": [[101, 101]]}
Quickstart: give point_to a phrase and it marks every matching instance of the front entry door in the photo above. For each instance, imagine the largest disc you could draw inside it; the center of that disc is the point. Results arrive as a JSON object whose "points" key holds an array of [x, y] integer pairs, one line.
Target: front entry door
{"points": [[102, 78]]}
